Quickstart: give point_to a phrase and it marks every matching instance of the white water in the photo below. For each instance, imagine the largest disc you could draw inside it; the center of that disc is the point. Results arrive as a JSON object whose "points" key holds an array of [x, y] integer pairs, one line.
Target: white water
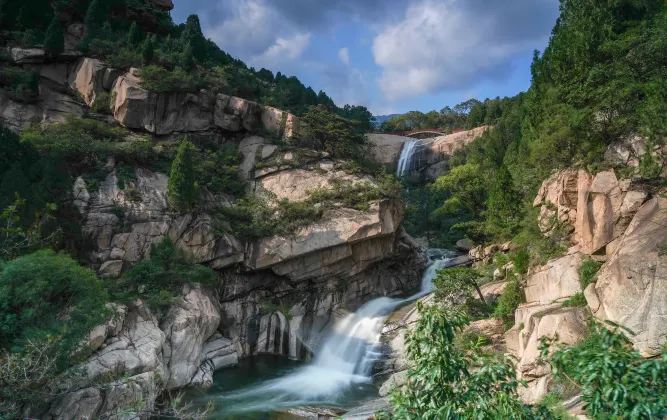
{"points": [[405, 162], [345, 358]]}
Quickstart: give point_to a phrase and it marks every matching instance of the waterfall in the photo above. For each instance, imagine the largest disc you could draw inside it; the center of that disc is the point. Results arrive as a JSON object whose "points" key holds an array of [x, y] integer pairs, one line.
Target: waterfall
{"points": [[411, 148], [345, 357]]}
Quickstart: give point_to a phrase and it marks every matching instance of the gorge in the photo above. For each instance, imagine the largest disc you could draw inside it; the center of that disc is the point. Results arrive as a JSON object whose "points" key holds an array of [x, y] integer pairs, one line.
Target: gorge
{"points": [[185, 236]]}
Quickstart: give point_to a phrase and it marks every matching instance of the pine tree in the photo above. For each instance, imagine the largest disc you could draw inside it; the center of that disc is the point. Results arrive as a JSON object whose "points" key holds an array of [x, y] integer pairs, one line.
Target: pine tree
{"points": [[148, 50], [133, 36], [95, 15], [182, 188], [193, 35], [503, 201], [54, 41], [24, 19], [187, 58]]}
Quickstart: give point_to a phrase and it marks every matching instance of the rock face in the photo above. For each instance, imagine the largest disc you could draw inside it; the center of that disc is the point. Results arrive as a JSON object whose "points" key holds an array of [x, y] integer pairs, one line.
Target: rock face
{"points": [[138, 359], [630, 288], [598, 208], [133, 106]]}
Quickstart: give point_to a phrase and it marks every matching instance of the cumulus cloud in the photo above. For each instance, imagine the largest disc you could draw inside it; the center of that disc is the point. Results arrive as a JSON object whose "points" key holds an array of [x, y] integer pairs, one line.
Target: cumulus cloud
{"points": [[452, 44], [344, 55]]}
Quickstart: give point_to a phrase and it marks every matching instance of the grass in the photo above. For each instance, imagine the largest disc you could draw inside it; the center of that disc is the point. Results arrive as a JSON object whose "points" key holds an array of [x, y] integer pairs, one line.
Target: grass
{"points": [[578, 300], [588, 272]]}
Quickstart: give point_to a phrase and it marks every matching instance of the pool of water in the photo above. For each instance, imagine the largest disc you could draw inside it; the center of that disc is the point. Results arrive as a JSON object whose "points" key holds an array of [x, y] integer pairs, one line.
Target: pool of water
{"points": [[256, 390]]}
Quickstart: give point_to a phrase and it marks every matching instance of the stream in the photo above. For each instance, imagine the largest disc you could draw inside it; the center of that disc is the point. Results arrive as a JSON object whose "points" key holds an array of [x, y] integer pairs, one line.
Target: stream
{"points": [[339, 375]]}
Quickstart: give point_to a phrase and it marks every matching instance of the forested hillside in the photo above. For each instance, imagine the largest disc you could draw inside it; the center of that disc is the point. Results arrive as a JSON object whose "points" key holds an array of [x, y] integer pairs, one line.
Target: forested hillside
{"points": [[601, 80]]}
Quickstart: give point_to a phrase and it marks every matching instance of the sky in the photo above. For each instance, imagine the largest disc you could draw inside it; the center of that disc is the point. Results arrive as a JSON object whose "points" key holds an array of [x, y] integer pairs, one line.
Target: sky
{"points": [[391, 56]]}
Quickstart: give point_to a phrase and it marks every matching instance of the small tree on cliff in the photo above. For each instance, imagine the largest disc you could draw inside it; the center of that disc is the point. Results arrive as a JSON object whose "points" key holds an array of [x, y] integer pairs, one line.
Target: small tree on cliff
{"points": [[182, 188], [193, 35], [54, 41]]}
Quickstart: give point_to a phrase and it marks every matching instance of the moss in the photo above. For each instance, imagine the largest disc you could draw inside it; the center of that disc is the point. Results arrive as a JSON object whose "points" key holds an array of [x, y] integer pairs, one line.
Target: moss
{"points": [[578, 300], [588, 272]]}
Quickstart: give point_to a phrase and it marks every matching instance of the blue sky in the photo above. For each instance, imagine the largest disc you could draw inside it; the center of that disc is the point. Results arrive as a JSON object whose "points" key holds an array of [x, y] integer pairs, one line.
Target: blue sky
{"points": [[392, 56]]}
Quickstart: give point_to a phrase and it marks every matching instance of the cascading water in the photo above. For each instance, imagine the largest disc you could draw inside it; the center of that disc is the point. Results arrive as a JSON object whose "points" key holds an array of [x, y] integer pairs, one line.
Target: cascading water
{"points": [[411, 148], [345, 357]]}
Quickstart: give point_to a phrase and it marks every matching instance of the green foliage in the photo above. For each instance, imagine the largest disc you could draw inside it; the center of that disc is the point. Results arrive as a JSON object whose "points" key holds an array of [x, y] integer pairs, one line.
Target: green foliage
{"points": [[447, 382], [588, 272], [159, 280], [54, 42], [48, 296], [509, 300], [578, 300], [133, 35], [468, 188], [503, 205], [218, 170], [455, 281], [102, 103], [148, 50], [193, 37], [96, 14], [17, 239], [615, 380], [521, 260], [159, 79], [183, 189], [22, 85]]}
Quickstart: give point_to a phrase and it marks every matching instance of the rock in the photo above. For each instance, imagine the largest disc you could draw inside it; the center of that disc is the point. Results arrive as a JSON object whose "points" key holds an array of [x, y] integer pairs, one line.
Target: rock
{"points": [[492, 328], [27, 55], [387, 148], [627, 151], [313, 413], [187, 326], [80, 195], [87, 78], [74, 34], [556, 280], [249, 147], [368, 410], [464, 245], [447, 145], [396, 380], [630, 285], [163, 4], [279, 123], [217, 353], [111, 269], [592, 298], [492, 291], [296, 184]]}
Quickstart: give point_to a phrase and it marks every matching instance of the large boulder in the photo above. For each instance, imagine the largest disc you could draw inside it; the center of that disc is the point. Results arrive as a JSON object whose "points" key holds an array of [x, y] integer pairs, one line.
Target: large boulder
{"points": [[557, 279], [87, 78], [188, 324], [598, 208], [631, 287]]}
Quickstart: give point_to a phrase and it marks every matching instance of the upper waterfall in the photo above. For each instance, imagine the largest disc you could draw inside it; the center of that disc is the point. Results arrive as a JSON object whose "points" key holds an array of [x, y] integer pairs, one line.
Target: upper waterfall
{"points": [[406, 163]]}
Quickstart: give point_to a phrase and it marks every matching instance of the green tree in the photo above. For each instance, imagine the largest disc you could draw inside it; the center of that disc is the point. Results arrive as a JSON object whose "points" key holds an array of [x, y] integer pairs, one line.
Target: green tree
{"points": [[148, 50], [187, 58], [193, 35], [454, 281], [54, 41], [468, 188], [183, 190], [96, 14], [45, 296], [503, 203], [447, 383], [133, 35]]}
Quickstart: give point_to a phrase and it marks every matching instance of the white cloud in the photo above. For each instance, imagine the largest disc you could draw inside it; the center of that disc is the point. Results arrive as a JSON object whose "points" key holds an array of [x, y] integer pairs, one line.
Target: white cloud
{"points": [[257, 32], [451, 44], [344, 55]]}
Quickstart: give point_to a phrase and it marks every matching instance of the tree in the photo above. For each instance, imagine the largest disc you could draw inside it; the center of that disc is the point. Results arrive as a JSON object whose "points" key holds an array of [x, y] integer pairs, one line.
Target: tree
{"points": [[54, 41], [468, 188], [182, 189], [148, 50], [448, 383], [503, 202], [187, 58], [192, 34], [96, 15], [457, 280], [133, 35]]}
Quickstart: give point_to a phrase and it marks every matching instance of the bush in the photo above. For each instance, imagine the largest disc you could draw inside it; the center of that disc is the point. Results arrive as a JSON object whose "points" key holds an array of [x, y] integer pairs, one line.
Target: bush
{"points": [[159, 280], [511, 298], [158, 79], [48, 296], [124, 58], [615, 380], [22, 85], [54, 42], [218, 170], [447, 382], [588, 272], [575, 301], [102, 103]]}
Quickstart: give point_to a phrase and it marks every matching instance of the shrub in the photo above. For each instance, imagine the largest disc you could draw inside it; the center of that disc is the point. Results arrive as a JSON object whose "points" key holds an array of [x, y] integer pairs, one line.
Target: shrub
{"points": [[447, 382], [577, 300], [615, 381], [183, 190], [510, 299], [102, 103], [159, 280], [218, 170], [46, 296], [588, 272], [158, 79], [22, 85], [521, 260], [124, 58]]}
